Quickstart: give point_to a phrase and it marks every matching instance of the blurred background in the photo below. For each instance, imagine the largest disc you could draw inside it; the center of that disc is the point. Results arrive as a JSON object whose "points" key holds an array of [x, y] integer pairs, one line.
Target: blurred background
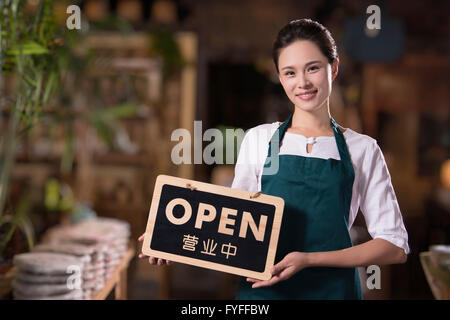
{"points": [[87, 115]]}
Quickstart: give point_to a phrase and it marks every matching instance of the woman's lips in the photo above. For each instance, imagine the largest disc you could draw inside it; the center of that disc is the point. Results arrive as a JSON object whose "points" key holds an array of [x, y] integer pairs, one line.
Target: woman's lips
{"points": [[307, 95]]}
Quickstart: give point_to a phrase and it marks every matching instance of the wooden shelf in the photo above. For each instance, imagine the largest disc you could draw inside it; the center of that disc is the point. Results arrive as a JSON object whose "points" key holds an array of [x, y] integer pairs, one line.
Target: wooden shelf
{"points": [[115, 158], [118, 280], [119, 185], [437, 279]]}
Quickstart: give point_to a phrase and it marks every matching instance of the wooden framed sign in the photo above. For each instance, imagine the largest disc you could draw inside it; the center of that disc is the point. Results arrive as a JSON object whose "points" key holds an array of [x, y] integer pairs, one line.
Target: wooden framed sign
{"points": [[214, 227]]}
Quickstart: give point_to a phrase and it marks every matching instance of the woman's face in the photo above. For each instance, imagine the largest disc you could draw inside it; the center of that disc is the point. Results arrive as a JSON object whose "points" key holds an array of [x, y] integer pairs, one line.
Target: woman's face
{"points": [[306, 75]]}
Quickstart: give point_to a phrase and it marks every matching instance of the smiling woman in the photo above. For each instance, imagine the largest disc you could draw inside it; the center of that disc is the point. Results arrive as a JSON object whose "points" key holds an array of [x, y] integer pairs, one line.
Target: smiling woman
{"points": [[306, 58], [323, 188], [306, 80]]}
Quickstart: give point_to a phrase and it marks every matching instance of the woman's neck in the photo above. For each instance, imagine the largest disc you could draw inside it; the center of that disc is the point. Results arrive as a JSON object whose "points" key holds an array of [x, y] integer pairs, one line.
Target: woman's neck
{"points": [[318, 121]]}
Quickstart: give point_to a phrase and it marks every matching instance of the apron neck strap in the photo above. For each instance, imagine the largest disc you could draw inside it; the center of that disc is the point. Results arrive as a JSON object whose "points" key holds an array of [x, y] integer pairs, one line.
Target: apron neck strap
{"points": [[341, 144]]}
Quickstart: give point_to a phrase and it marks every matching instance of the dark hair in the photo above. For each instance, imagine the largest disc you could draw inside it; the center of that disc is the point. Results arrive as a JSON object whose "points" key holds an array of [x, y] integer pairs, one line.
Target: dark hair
{"points": [[305, 29]]}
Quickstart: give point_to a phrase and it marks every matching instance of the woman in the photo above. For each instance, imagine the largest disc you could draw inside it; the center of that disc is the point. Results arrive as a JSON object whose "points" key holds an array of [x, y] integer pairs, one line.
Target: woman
{"points": [[325, 173]]}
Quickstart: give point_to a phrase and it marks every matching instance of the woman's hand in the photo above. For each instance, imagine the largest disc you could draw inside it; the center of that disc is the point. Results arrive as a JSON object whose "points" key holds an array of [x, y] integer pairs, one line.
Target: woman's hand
{"points": [[292, 263], [153, 260]]}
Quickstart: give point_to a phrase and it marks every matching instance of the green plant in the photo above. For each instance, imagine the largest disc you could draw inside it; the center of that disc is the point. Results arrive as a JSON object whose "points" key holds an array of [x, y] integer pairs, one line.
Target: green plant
{"points": [[19, 220], [38, 55], [163, 44], [27, 50]]}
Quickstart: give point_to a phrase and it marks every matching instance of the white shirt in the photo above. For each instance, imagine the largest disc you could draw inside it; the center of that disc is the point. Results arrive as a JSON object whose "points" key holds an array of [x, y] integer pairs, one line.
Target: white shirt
{"points": [[372, 187]]}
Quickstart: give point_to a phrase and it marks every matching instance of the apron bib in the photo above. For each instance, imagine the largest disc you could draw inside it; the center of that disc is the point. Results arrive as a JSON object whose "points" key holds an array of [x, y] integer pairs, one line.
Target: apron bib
{"points": [[317, 194]]}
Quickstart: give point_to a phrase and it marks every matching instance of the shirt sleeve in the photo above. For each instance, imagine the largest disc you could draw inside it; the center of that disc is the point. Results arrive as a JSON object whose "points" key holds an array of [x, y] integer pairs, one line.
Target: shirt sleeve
{"points": [[245, 170], [379, 203]]}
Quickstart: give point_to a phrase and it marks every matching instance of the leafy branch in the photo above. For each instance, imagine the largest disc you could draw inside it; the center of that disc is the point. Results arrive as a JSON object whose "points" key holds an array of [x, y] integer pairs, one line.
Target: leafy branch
{"points": [[37, 56]]}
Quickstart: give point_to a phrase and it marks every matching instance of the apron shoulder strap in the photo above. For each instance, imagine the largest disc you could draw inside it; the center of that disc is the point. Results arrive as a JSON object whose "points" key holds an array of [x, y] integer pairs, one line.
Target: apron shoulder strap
{"points": [[341, 144], [278, 135]]}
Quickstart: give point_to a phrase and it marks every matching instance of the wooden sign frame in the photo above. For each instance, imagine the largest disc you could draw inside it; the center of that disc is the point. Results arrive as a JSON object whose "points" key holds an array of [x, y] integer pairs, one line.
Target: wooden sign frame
{"points": [[277, 202]]}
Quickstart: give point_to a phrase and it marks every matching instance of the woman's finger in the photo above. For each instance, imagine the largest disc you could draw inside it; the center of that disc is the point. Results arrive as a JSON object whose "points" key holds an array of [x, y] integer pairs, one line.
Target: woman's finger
{"points": [[141, 238], [279, 272], [266, 283], [279, 267], [153, 260]]}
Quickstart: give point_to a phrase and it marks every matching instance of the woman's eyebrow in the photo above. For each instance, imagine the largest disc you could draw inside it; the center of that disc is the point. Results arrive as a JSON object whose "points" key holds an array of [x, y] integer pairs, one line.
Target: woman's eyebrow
{"points": [[307, 64]]}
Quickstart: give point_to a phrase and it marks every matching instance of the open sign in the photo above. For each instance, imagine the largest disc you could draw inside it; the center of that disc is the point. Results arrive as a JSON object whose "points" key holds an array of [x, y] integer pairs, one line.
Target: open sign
{"points": [[213, 227]]}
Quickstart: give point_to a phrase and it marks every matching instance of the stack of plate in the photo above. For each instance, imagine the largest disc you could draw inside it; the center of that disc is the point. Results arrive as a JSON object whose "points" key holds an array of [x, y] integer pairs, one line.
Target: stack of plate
{"points": [[114, 245], [107, 238], [47, 276], [93, 271]]}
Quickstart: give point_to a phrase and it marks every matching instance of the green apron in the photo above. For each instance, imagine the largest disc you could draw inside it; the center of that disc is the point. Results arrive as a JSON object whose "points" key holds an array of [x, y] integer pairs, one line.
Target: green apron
{"points": [[317, 194]]}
